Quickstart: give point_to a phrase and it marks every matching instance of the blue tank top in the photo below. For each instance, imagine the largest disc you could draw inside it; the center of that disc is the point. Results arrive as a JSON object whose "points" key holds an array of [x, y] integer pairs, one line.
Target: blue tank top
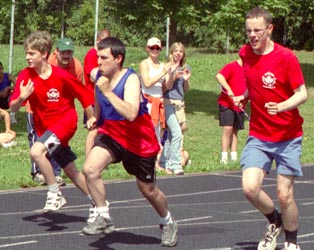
{"points": [[5, 82], [107, 111]]}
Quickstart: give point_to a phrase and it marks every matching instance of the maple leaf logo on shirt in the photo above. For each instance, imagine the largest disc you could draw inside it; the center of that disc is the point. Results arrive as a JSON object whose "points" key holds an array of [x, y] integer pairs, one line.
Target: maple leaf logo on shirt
{"points": [[53, 95], [269, 80]]}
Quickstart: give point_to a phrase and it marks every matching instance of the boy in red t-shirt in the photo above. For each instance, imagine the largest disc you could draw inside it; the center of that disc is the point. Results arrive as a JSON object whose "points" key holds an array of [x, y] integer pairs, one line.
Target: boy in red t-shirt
{"points": [[50, 92], [231, 118]]}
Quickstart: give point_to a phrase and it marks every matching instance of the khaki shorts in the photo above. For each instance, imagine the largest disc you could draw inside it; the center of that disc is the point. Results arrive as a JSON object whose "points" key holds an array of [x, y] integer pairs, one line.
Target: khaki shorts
{"points": [[179, 106]]}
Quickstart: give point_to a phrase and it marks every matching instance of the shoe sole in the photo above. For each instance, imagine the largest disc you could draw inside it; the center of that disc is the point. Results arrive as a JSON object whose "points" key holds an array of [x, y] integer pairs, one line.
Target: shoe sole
{"points": [[63, 202], [107, 230]]}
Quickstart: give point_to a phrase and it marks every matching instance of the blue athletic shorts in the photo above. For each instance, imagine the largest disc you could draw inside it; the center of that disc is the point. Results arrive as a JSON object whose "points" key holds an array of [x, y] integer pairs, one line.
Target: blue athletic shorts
{"points": [[261, 154]]}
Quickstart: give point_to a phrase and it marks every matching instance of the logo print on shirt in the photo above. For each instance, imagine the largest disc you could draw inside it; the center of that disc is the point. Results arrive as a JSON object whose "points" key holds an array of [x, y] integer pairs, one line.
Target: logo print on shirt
{"points": [[53, 95], [269, 80]]}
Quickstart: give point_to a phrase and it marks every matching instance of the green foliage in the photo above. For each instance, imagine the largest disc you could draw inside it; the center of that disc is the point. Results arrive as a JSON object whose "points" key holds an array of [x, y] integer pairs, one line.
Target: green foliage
{"points": [[217, 25]]}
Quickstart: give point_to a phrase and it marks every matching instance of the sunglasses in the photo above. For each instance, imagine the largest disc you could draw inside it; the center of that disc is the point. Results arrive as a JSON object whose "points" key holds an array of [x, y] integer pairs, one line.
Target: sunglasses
{"points": [[154, 48]]}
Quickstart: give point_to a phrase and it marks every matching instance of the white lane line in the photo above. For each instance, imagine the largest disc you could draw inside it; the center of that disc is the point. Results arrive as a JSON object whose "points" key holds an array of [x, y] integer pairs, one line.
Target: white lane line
{"points": [[187, 222], [18, 244]]}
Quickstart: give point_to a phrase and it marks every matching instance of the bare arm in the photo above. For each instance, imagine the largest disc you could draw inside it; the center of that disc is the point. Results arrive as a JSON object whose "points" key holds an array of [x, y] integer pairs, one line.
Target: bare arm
{"points": [[171, 74], [186, 75], [299, 97], [93, 74], [25, 92], [129, 107], [144, 72], [94, 116], [223, 82], [12, 79]]}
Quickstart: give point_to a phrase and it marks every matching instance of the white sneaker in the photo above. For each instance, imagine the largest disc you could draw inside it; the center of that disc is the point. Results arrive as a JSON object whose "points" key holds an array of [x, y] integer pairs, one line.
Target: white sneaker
{"points": [[291, 246], [54, 202], [223, 161], [8, 144], [12, 118], [39, 178], [269, 241], [92, 214], [178, 171]]}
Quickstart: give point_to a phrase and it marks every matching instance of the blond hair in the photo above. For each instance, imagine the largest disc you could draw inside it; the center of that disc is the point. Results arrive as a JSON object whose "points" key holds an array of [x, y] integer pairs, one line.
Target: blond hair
{"points": [[173, 47], [39, 40]]}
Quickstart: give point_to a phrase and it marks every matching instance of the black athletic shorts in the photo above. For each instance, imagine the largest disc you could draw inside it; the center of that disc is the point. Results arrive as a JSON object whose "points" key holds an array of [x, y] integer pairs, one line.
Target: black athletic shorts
{"points": [[142, 168], [229, 117]]}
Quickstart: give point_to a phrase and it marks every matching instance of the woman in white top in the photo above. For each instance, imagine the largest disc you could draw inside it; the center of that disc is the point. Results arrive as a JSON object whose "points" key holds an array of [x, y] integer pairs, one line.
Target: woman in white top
{"points": [[155, 76]]}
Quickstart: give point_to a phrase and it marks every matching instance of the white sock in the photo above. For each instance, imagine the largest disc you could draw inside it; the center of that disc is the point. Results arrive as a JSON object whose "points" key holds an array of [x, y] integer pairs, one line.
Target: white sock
{"points": [[54, 188], [103, 211], [234, 156], [224, 156], [166, 220]]}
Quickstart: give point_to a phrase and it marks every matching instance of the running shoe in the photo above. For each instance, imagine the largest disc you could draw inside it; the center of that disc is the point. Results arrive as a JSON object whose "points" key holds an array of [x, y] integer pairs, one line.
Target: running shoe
{"points": [[291, 246], [269, 242], [60, 181], [8, 144], [178, 171], [12, 118], [169, 234], [98, 226], [39, 178], [54, 202], [92, 215]]}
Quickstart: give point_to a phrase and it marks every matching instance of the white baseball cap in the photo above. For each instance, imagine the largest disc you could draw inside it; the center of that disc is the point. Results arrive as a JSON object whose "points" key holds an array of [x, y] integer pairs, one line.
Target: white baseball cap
{"points": [[154, 41]]}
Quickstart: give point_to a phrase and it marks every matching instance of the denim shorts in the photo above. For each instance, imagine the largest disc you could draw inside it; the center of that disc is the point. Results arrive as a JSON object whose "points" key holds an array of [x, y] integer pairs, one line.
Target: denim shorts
{"points": [[285, 154]]}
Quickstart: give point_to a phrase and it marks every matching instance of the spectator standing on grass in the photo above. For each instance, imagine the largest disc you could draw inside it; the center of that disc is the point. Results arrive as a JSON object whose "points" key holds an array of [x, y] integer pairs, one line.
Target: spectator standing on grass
{"points": [[173, 156], [276, 88], [51, 92], [231, 118], [126, 135], [155, 76], [7, 137], [90, 63], [7, 82]]}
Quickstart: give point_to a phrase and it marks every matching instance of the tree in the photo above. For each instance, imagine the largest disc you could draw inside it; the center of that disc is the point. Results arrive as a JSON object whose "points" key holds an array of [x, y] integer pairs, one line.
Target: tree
{"points": [[217, 25]]}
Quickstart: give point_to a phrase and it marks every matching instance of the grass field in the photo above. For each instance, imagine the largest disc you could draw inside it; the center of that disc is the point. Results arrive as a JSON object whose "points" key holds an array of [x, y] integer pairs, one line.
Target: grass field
{"points": [[202, 139]]}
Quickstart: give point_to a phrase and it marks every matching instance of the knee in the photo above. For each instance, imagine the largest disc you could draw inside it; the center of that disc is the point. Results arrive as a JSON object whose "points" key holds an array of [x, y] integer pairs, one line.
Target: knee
{"points": [[90, 173], [34, 153], [285, 197], [150, 193], [250, 190]]}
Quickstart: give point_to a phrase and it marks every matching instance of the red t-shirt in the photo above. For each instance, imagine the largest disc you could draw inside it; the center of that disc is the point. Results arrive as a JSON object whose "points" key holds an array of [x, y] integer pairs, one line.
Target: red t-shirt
{"points": [[272, 78], [234, 75], [52, 101], [90, 62]]}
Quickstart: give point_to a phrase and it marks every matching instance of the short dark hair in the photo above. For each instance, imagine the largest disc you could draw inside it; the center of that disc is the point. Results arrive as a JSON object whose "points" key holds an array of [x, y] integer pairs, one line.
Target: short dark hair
{"points": [[116, 45], [260, 12]]}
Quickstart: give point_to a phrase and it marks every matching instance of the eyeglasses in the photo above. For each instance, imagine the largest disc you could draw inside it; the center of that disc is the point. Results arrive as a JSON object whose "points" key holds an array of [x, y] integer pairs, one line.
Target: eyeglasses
{"points": [[256, 31], [154, 48]]}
